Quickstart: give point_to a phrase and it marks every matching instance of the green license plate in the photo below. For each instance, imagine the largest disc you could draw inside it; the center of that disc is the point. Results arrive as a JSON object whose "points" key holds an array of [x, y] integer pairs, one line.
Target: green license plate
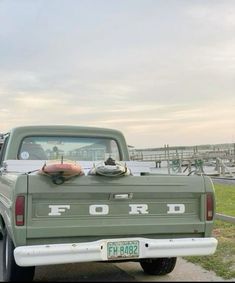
{"points": [[123, 249]]}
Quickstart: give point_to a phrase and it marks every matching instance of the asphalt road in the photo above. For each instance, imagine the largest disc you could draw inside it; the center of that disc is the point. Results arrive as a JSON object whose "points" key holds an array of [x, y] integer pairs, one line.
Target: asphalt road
{"points": [[118, 272]]}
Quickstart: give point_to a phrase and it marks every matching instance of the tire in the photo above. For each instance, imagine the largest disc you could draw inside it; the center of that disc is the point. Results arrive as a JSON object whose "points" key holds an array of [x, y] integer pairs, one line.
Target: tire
{"points": [[11, 271], [158, 266]]}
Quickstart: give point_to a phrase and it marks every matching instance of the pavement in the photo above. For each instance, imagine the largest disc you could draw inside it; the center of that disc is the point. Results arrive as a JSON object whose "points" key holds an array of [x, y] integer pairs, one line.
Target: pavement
{"points": [[123, 272], [184, 271]]}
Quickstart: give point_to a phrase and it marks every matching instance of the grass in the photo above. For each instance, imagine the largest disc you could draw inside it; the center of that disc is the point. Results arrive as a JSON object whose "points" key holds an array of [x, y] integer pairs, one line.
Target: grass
{"points": [[223, 261], [225, 199]]}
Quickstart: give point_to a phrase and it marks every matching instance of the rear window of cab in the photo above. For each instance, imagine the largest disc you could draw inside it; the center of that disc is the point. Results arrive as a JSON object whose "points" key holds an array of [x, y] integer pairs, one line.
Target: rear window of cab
{"points": [[72, 148]]}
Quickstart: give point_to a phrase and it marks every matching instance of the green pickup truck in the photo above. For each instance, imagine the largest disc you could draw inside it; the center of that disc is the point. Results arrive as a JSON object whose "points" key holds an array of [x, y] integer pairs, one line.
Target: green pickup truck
{"points": [[71, 194]]}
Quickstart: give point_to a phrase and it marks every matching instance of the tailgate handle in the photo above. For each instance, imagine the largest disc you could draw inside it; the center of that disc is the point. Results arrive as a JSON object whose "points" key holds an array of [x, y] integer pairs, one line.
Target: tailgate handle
{"points": [[122, 196]]}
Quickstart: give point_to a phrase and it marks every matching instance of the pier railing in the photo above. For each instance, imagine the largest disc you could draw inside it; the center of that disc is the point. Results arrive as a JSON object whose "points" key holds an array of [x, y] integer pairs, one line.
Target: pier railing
{"points": [[145, 156]]}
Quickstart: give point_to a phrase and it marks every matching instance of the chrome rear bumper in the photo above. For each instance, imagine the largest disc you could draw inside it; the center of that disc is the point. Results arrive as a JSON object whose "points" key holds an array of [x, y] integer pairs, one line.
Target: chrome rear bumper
{"points": [[97, 250]]}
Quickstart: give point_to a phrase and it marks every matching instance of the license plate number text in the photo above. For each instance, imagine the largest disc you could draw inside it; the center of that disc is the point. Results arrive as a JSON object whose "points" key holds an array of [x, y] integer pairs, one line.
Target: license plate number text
{"points": [[123, 249]]}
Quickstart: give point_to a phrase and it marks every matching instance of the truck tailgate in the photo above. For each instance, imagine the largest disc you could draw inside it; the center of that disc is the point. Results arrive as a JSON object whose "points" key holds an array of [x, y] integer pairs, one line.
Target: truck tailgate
{"points": [[100, 207]]}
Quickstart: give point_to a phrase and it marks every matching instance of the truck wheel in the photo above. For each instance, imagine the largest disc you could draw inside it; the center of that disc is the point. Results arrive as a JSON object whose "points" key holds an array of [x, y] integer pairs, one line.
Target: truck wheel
{"points": [[158, 266], [11, 271]]}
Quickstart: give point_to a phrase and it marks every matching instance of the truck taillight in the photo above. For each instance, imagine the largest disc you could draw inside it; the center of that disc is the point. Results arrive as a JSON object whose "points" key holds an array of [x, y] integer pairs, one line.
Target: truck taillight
{"points": [[209, 207], [19, 211]]}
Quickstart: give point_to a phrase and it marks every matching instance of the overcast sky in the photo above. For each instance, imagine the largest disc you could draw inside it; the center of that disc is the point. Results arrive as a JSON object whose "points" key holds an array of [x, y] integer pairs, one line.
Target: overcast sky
{"points": [[161, 71]]}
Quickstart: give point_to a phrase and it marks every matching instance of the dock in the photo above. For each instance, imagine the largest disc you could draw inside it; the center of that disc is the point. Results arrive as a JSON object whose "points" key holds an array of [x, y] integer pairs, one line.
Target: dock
{"points": [[211, 161]]}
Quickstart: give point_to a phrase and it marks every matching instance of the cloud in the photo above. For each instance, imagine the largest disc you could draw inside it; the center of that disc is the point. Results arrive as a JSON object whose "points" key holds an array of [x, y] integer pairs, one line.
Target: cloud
{"points": [[160, 75], [220, 15]]}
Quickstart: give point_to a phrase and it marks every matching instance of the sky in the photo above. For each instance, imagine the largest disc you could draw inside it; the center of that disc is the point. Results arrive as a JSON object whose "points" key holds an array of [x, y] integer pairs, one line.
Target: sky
{"points": [[160, 71]]}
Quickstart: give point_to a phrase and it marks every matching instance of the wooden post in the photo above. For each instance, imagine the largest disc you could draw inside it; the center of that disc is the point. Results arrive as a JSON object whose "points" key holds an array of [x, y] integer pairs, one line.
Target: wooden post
{"points": [[168, 160], [234, 151]]}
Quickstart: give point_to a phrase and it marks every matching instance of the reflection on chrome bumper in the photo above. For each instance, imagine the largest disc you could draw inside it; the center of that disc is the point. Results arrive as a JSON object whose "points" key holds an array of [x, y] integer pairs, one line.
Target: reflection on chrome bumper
{"points": [[97, 250]]}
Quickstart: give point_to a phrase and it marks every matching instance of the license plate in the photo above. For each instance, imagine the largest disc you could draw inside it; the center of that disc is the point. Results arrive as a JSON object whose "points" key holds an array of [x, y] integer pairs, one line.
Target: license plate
{"points": [[122, 249]]}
